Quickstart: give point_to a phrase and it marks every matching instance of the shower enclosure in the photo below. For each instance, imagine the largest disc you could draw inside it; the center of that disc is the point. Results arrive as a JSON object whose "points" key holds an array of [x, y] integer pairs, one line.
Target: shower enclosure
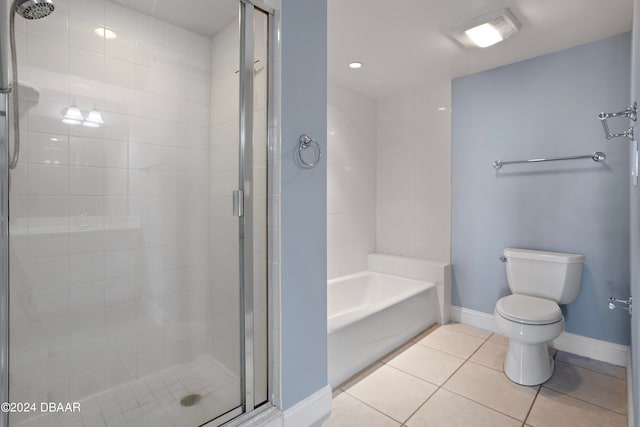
{"points": [[134, 224]]}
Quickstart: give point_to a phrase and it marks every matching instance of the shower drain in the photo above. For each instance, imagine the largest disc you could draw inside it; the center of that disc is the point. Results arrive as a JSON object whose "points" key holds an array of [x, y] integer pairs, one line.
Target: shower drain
{"points": [[190, 400]]}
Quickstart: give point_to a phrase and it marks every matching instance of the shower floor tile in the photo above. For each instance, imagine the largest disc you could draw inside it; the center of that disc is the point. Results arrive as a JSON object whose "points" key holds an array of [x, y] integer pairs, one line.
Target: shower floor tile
{"points": [[155, 400], [473, 393]]}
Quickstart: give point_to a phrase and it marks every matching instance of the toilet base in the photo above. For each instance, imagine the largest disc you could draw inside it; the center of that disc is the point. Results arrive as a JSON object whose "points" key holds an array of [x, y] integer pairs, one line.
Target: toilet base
{"points": [[535, 357]]}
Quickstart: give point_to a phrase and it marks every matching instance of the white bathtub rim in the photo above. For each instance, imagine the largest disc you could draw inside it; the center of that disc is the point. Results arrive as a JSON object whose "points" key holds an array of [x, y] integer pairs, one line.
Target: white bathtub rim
{"points": [[344, 319]]}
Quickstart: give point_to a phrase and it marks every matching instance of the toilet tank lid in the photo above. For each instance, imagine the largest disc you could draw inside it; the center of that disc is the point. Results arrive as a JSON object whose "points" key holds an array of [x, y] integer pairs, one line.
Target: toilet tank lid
{"points": [[545, 256]]}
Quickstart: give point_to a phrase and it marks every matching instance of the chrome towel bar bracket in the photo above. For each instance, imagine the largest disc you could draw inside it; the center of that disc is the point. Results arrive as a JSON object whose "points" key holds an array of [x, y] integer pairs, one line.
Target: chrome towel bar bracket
{"points": [[598, 156], [304, 142], [631, 113]]}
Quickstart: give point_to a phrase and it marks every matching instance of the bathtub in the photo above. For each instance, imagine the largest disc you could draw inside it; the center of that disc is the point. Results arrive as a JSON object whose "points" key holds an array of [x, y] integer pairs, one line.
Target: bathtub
{"points": [[370, 314]]}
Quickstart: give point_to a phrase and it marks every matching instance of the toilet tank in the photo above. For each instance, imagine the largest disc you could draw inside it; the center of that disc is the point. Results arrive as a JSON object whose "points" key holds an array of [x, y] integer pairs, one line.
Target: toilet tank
{"points": [[552, 275]]}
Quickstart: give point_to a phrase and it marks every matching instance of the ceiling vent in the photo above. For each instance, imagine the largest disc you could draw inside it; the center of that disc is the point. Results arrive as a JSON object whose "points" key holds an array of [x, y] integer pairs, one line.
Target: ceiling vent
{"points": [[487, 30]]}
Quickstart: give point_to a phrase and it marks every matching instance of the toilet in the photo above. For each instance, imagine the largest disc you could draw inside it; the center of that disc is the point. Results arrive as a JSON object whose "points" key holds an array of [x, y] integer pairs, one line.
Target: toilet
{"points": [[531, 317]]}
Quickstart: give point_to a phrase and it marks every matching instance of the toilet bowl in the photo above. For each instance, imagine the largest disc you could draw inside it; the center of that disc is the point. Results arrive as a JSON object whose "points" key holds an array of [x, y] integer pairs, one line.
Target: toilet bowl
{"points": [[529, 323], [531, 316]]}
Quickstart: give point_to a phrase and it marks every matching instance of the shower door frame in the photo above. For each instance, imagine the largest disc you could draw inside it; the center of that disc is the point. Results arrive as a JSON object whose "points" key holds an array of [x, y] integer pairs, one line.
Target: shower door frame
{"points": [[247, 409], [246, 122], [4, 256]]}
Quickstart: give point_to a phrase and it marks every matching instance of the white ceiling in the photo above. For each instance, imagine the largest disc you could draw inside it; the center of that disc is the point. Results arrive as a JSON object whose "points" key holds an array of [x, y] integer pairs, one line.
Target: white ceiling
{"points": [[204, 17], [404, 43]]}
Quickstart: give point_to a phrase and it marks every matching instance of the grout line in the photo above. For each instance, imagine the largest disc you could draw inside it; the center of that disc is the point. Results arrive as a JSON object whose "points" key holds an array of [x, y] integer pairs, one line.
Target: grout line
{"points": [[589, 369], [531, 407], [585, 401], [372, 407], [448, 378], [482, 404], [468, 360], [410, 343]]}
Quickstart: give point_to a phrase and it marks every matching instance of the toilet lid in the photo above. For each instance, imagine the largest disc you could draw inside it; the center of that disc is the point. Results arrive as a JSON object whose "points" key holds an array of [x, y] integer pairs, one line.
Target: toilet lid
{"points": [[528, 310]]}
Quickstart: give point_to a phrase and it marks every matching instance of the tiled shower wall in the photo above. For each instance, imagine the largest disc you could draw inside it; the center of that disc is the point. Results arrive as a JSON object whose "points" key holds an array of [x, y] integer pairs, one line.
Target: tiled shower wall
{"points": [[351, 172], [110, 226], [413, 196]]}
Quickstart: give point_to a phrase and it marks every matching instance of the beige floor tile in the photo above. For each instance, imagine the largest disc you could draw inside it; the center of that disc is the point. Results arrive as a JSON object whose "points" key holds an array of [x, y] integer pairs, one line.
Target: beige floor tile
{"points": [[499, 339], [397, 351], [348, 411], [493, 389], [454, 343], [490, 355], [553, 409], [468, 330], [392, 392], [426, 363], [593, 387], [446, 409], [425, 332], [360, 376], [594, 365]]}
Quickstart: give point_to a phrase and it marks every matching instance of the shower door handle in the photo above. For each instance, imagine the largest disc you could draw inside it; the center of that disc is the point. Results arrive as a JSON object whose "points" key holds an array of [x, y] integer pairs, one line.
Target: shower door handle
{"points": [[238, 203]]}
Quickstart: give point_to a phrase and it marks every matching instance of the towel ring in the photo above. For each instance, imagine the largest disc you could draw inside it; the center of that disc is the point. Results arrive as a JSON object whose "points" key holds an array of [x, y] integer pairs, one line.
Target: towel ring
{"points": [[304, 142]]}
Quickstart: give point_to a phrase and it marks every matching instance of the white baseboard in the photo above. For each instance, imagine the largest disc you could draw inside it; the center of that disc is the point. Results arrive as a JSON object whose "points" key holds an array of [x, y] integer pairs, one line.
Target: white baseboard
{"points": [[473, 318], [603, 351], [310, 411]]}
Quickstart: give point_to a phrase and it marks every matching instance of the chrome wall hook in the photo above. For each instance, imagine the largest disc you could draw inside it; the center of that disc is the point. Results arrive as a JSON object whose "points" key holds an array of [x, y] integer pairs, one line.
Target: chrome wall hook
{"points": [[304, 142]]}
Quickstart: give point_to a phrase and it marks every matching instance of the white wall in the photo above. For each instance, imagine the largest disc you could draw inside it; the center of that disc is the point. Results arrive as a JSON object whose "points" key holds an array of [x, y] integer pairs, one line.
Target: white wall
{"points": [[414, 173], [351, 181]]}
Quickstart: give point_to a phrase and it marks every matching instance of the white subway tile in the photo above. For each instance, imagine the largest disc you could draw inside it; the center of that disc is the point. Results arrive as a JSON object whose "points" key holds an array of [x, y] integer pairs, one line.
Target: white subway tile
{"points": [[86, 297], [86, 268], [86, 181], [116, 154], [82, 35], [86, 151], [48, 180]]}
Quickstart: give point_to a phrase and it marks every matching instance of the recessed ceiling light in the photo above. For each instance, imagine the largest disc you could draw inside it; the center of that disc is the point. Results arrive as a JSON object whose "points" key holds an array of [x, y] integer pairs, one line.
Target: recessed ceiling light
{"points": [[487, 30], [54, 139], [442, 108], [105, 32], [355, 65]]}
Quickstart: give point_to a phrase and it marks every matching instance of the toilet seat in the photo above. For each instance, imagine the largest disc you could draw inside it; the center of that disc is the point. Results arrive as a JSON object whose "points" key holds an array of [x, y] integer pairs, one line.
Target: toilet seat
{"points": [[528, 310]]}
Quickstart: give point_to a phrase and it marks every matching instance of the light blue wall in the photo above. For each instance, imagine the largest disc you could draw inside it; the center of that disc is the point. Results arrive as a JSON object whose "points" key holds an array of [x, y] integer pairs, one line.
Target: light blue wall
{"points": [[544, 107], [304, 201]]}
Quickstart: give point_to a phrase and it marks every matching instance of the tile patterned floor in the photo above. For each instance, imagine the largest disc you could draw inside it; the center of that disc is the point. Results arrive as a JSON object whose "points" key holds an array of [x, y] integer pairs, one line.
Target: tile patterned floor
{"points": [[155, 400], [451, 376]]}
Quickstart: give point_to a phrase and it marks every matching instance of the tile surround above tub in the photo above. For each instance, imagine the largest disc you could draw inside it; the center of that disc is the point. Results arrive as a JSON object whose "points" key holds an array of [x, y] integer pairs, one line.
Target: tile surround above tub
{"points": [[436, 272]]}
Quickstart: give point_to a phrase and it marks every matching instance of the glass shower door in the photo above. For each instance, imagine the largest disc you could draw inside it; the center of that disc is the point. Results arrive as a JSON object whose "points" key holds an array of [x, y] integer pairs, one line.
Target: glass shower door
{"points": [[126, 284]]}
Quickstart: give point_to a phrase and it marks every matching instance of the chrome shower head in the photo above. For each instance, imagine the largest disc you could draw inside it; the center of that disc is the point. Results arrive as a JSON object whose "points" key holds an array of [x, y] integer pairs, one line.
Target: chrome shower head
{"points": [[34, 9]]}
